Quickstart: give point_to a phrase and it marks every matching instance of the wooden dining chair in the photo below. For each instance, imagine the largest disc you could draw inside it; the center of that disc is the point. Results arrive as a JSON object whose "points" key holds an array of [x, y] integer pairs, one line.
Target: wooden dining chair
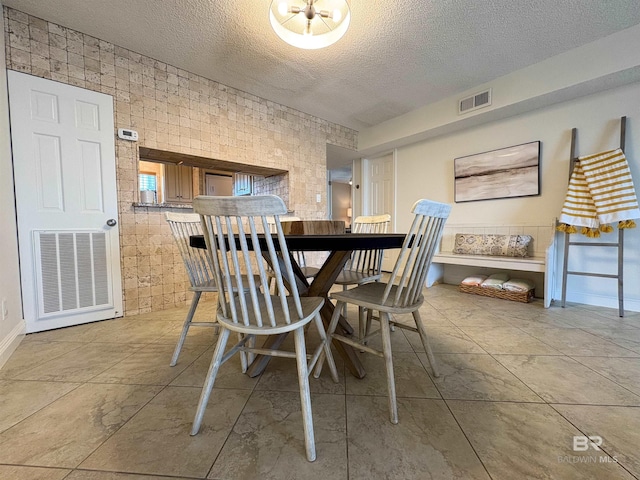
{"points": [[199, 270], [401, 294], [198, 267], [255, 311], [364, 266]]}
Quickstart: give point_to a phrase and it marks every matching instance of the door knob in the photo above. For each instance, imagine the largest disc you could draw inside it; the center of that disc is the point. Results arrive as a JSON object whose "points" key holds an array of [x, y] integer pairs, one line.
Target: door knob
{"points": [[111, 222]]}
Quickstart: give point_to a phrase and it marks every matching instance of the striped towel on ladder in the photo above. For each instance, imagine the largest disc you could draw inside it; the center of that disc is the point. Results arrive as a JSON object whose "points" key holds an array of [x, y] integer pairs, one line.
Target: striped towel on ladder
{"points": [[600, 192]]}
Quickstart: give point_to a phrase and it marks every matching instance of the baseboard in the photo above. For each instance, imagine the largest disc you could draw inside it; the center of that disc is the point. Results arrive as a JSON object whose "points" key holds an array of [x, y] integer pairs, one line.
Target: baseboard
{"points": [[11, 341], [630, 305]]}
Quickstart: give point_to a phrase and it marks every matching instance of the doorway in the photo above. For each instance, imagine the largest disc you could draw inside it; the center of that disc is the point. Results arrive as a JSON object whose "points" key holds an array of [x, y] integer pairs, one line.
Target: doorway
{"points": [[379, 195], [66, 200]]}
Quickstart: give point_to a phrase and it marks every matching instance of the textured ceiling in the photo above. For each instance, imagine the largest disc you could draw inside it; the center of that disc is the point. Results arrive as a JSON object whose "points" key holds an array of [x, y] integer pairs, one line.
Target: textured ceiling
{"points": [[396, 56]]}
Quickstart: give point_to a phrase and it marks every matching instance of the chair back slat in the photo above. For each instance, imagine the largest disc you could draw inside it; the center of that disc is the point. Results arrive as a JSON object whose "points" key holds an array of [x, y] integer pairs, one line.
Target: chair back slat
{"points": [[234, 228], [368, 261], [196, 261], [410, 270]]}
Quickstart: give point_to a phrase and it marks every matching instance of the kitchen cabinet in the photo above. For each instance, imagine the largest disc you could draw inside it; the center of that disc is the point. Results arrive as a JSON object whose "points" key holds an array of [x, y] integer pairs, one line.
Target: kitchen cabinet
{"points": [[178, 182]]}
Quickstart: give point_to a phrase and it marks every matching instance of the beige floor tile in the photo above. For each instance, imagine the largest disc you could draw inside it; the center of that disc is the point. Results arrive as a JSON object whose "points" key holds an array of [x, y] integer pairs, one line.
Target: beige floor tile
{"points": [[474, 317], [589, 319], [541, 321], [526, 440], [134, 330], [623, 371], [199, 335], [563, 380], [502, 340], [229, 376], [282, 375], [157, 440], [616, 425], [65, 432], [451, 301], [612, 313], [150, 366], [628, 338], [411, 378], [426, 443], [81, 364], [18, 400], [432, 317], [267, 442], [87, 332], [445, 340], [94, 475], [511, 309], [573, 341], [33, 353], [554, 316], [399, 342], [15, 472], [478, 377], [137, 432]]}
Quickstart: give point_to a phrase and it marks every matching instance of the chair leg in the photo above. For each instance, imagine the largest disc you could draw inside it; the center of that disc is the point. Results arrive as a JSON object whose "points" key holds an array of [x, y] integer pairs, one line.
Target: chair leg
{"points": [[211, 378], [388, 361], [185, 328], [367, 328], [332, 328], [344, 308], [425, 343], [244, 361], [327, 351], [305, 395], [362, 323]]}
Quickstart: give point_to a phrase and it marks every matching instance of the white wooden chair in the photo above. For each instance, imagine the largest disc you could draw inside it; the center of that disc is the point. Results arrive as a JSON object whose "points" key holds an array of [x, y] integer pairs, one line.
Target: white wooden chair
{"points": [[198, 266], [401, 294], [364, 266], [199, 270], [256, 311]]}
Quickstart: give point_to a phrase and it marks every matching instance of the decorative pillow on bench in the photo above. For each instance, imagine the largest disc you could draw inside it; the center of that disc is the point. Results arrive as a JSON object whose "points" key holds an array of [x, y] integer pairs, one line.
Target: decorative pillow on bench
{"points": [[491, 244]]}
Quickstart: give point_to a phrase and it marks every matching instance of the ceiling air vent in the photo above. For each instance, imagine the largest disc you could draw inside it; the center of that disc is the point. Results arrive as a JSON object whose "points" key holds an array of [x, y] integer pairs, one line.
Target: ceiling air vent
{"points": [[478, 100]]}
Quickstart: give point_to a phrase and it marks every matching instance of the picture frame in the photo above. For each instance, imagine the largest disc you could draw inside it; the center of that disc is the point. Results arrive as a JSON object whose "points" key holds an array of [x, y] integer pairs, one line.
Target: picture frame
{"points": [[504, 173]]}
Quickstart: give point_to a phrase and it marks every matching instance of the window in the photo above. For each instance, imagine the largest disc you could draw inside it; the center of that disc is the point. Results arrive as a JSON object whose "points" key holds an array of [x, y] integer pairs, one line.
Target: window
{"points": [[148, 182]]}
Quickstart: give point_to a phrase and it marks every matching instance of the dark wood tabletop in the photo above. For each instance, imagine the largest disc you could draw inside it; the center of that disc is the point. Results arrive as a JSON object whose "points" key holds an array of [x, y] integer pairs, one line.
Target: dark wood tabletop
{"points": [[340, 247], [321, 243]]}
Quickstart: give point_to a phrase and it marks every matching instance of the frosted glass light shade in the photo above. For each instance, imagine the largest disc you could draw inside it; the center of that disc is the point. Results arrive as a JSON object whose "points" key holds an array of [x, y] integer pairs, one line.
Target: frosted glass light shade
{"points": [[325, 31]]}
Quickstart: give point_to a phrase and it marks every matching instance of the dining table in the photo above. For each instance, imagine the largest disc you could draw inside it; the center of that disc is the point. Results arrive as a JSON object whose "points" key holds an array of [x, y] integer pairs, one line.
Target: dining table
{"points": [[339, 248]]}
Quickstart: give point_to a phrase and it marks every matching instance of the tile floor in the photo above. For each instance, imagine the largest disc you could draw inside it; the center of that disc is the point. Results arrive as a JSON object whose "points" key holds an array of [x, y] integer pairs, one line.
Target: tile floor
{"points": [[517, 384]]}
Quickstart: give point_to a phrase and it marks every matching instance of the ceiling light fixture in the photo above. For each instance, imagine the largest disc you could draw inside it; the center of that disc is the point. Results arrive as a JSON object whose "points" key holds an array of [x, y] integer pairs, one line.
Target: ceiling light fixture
{"points": [[310, 24]]}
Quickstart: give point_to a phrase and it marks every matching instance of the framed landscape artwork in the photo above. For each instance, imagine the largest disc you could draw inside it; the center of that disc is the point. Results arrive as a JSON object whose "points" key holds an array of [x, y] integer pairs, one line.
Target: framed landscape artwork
{"points": [[508, 172]]}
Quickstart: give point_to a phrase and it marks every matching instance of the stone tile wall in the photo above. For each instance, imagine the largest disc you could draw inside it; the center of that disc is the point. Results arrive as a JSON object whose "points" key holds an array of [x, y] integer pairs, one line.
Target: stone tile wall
{"points": [[175, 110]]}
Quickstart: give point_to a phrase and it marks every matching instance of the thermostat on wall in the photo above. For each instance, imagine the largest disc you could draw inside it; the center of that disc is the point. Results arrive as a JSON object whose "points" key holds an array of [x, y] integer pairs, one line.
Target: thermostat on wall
{"points": [[127, 134]]}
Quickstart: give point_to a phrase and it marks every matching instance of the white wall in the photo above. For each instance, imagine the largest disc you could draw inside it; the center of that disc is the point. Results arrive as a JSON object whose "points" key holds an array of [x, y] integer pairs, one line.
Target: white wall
{"points": [[12, 327], [425, 170], [608, 62]]}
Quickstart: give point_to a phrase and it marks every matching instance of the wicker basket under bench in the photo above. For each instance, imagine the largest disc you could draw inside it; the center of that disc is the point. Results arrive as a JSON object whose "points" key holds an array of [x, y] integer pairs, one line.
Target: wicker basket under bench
{"points": [[541, 259], [523, 297]]}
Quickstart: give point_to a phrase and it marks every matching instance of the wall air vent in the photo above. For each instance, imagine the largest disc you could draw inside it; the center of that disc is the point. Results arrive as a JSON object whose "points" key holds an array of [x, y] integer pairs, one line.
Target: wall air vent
{"points": [[474, 102]]}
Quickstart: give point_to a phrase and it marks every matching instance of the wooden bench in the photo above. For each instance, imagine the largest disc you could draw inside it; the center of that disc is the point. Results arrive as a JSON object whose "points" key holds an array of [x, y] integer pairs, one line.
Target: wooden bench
{"points": [[539, 266]]}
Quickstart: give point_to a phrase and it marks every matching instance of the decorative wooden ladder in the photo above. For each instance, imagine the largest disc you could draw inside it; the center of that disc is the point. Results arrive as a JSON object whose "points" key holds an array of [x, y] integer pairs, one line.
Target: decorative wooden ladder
{"points": [[619, 244]]}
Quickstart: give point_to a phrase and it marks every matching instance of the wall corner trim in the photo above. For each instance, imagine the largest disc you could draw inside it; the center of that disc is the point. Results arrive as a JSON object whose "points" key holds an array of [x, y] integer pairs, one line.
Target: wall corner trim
{"points": [[11, 341]]}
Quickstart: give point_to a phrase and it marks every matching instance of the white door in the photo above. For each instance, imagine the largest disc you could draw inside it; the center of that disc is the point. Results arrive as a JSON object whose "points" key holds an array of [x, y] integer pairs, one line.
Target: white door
{"points": [[66, 200], [379, 195]]}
